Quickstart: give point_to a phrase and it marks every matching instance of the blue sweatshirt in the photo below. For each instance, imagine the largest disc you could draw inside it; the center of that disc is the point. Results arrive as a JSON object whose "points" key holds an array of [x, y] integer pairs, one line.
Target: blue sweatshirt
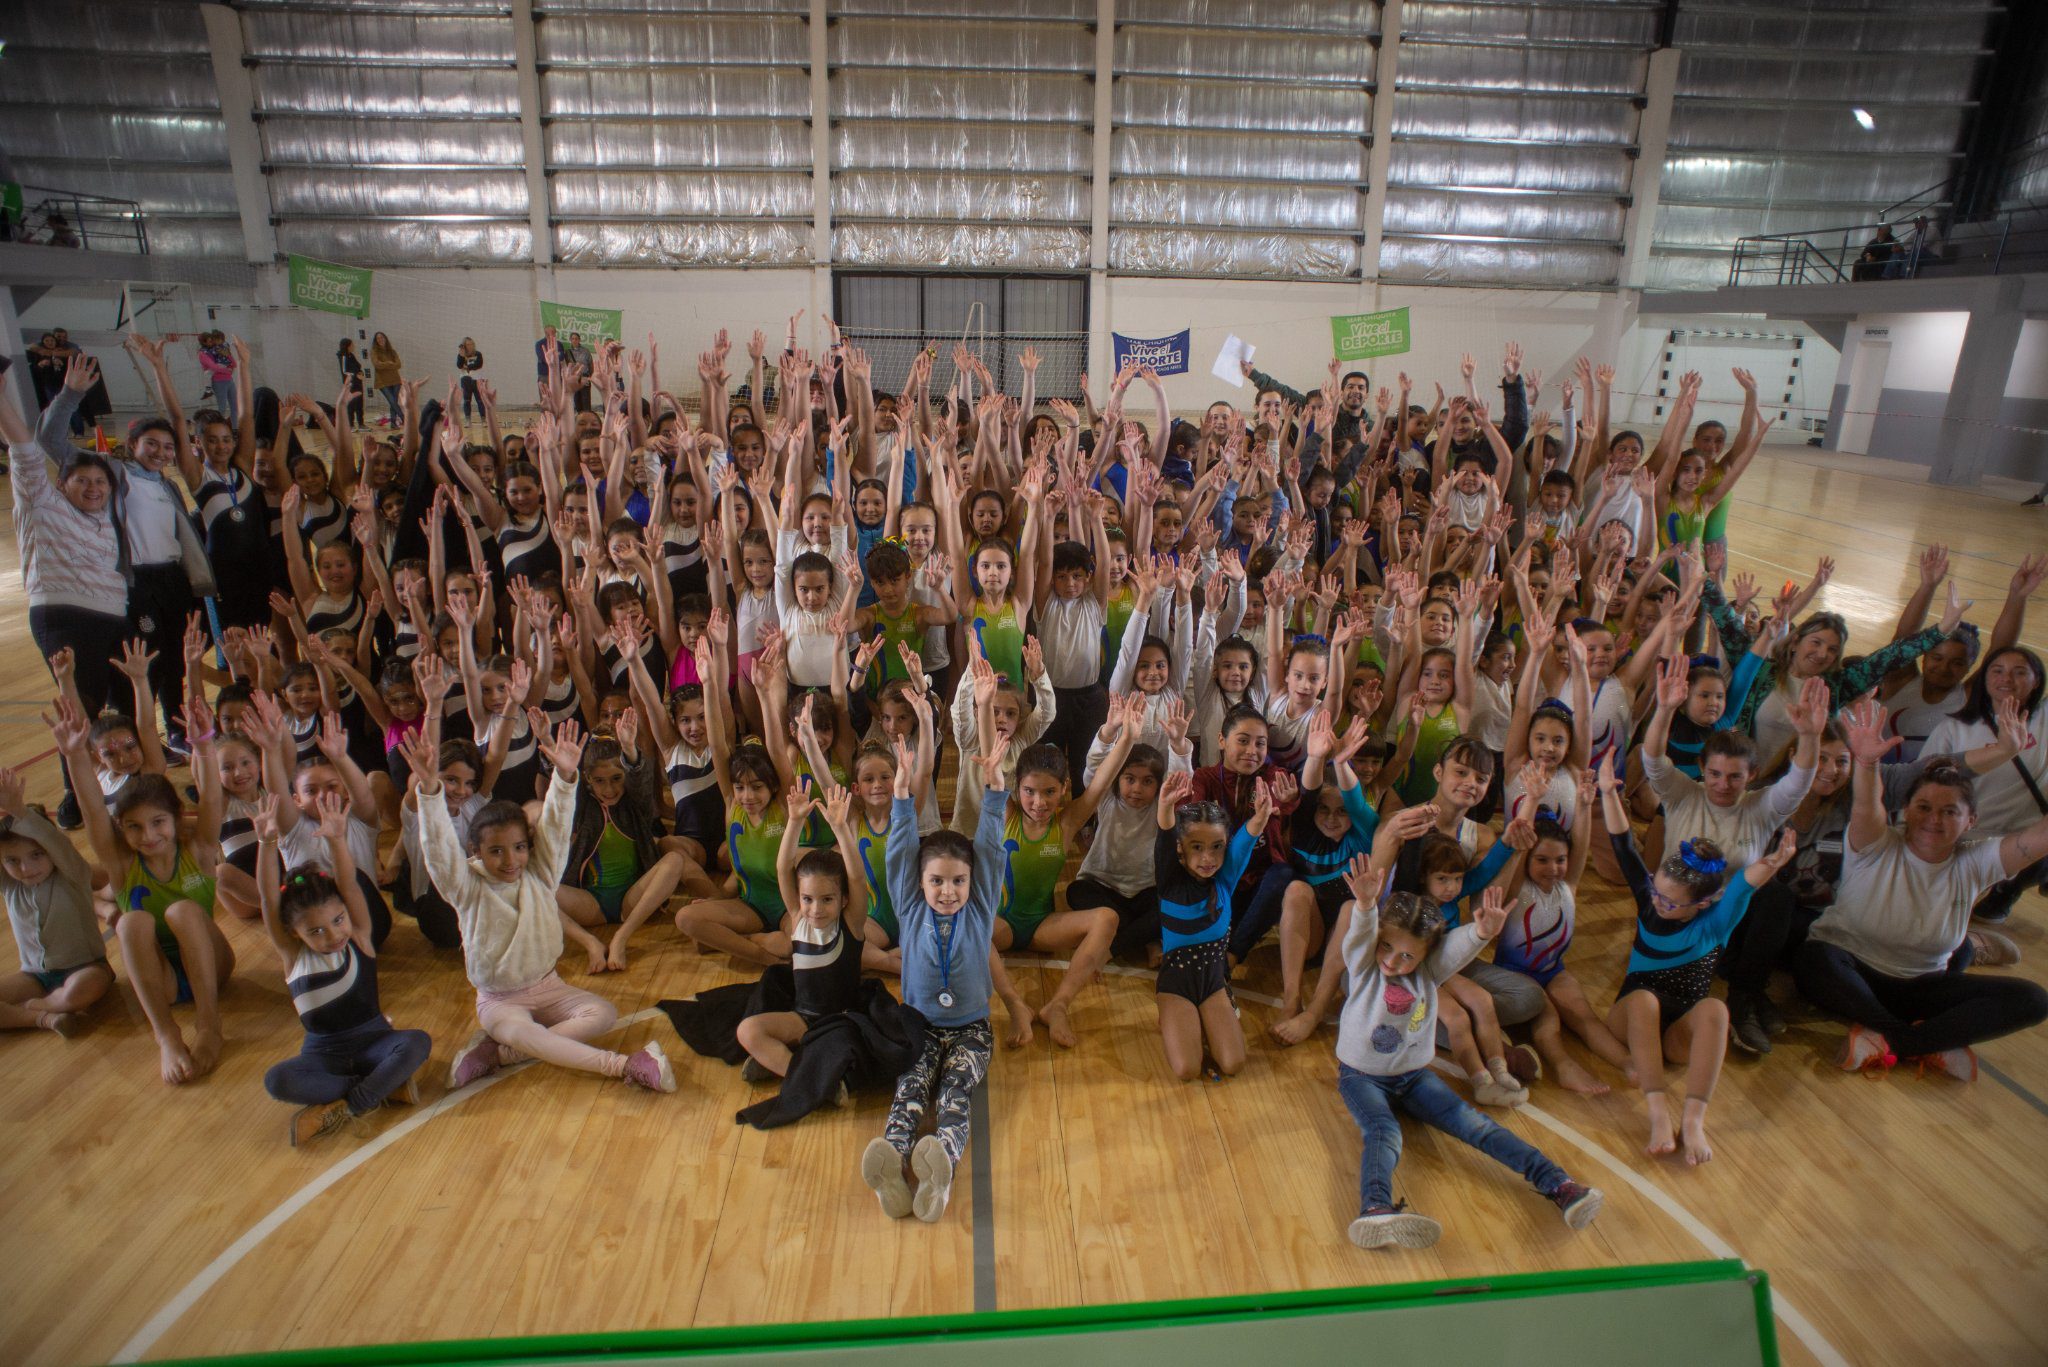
{"points": [[947, 952]]}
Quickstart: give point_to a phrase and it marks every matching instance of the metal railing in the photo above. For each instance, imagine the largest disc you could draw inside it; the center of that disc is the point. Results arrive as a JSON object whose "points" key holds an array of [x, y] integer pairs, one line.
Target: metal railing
{"points": [[66, 218], [2015, 239]]}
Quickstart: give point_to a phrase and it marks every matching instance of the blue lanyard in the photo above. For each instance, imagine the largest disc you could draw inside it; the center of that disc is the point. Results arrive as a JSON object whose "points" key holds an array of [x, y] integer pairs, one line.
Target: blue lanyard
{"points": [[945, 928]]}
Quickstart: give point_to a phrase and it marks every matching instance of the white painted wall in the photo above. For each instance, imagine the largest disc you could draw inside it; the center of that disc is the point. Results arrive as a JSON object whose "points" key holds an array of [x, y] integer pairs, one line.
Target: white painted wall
{"points": [[426, 312], [1924, 347], [2029, 376], [1289, 325]]}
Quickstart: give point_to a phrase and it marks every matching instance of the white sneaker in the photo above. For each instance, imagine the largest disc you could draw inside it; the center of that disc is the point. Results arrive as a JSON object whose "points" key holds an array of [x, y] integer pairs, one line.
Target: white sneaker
{"points": [[881, 1167], [934, 1178], [1865, 1049], [1394, 1225], [1960, 1064]]}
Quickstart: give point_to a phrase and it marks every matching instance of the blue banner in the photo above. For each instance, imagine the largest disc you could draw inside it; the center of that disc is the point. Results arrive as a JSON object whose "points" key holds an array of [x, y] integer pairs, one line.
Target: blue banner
{"points": [[1167, 355]]}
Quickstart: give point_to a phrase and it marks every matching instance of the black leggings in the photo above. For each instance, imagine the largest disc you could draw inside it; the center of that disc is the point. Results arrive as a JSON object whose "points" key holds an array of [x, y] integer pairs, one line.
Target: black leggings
{"points": [[1078, 716], [94, 639], [1767, 937], [1137, 918], [1923, 1015], [159, 601]]}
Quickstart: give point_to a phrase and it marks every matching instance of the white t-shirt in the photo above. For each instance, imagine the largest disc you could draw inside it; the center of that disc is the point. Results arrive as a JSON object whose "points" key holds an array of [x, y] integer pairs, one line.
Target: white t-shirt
{"points": [[1913, 718], [2003, 803], [1070, 632], [1900, 914], [301, 846], [150, 516], [1492, 711]]}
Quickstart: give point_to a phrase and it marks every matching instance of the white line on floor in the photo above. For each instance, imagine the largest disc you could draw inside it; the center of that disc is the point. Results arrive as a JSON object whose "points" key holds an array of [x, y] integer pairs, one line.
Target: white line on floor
{"points": [[174, 1309], [1802, 1328]]}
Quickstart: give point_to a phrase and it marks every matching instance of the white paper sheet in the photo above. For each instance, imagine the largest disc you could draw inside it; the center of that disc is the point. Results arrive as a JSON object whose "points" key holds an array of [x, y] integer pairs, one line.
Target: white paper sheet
{"points": [[1232, 360]]}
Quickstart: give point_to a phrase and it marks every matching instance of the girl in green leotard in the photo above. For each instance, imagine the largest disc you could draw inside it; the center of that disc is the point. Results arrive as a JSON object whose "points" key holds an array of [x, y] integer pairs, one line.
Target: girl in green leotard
{"points": [[1430, 708], [615, 875], [163, 887], [874, 787], [1038, 828], [752, 925], [995, 616]]}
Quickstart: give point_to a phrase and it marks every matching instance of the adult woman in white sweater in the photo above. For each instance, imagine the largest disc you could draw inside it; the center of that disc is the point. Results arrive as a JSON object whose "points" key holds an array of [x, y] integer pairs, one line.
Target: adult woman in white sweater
{"points": [[70, 558], [503, 894]]}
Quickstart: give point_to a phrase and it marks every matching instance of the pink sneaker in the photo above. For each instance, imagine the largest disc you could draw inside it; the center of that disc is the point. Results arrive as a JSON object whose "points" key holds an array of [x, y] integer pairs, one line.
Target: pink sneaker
{"points": [[476, 1059], [1960, 1064], [1865, 1050], [650, 1068]]}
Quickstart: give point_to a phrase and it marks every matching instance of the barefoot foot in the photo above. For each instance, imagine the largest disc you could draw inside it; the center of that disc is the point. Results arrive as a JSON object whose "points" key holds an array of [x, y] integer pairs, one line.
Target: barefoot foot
{"points": [[1020, 1026], [1694, 1129], [1661, 1138], [175, 1060], [1574, 1078], [1054, 1014], [1292, 1030], [206, 1047]]}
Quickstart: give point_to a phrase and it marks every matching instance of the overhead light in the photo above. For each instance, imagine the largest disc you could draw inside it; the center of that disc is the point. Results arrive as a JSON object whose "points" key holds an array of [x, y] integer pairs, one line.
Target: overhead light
{"points": [[1863, 117]]}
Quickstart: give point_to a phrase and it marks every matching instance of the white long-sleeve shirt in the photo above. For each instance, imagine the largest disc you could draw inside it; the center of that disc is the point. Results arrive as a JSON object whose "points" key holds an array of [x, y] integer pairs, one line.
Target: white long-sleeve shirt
{"points": [[511, 934], [967, 733]]}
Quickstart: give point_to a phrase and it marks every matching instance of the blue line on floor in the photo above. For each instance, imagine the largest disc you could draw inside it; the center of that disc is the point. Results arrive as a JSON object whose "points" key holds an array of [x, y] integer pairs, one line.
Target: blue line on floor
{"points": [[2022, 1093]]}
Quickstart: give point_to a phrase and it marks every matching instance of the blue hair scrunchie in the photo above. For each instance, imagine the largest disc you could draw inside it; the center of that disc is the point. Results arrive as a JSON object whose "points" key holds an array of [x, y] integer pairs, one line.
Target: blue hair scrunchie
{"points": [[1697, 862]]}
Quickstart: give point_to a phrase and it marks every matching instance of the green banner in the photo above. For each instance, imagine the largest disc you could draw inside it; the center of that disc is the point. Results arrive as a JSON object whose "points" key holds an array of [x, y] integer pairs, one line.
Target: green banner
{"points": [[595, 324], [330, 288], [10, 198], [1355, 336]]}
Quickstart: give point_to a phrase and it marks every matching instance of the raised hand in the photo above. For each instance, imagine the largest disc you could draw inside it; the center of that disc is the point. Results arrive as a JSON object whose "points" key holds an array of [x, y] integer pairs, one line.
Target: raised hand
{"points": [[1174, 789], [1492, 913], [135, 659], [1862, 728], [1952, 615], [566, 750]]}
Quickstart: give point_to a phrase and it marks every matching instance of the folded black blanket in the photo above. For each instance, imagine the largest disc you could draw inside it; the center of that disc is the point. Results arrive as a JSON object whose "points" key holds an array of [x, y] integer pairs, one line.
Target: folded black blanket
{"points": [[867, 1048]]}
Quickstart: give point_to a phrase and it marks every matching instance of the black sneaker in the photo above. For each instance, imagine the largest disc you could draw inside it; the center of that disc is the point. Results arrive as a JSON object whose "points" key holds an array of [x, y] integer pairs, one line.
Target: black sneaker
{"points": [[1577, 1203], [68, 817], [753, 1071], [2037, 500], [1746, 1026], [1770, 1016]]}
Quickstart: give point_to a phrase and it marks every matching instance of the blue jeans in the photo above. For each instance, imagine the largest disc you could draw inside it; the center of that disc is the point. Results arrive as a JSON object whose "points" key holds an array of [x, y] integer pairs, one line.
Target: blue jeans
{"points": [[1371, 1099], [390, 393]]}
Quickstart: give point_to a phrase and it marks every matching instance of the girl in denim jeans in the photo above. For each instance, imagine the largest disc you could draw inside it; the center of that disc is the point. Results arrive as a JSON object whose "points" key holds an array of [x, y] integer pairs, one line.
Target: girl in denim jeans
{"points": [[1397, 955]]}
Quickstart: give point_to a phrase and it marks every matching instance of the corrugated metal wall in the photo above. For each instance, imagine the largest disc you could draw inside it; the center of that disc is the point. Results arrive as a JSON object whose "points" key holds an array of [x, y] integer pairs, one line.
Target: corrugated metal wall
{"points": [[1238, 149], [1764, 138], [1514, 126], [118, 99], [678, 132]]}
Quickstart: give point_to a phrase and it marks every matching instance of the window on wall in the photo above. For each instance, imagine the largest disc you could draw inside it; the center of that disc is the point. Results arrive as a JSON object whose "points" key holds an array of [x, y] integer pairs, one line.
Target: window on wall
{"points": [[996, 317]]}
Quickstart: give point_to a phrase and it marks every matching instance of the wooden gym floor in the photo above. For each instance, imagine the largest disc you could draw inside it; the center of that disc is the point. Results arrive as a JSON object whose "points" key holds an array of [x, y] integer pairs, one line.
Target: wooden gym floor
{"points": [[1902, 1219]]}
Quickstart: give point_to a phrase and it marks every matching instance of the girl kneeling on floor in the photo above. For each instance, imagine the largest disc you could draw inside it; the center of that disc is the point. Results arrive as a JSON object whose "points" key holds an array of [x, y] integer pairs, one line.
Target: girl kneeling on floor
{"points": [[353, 1061]]}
